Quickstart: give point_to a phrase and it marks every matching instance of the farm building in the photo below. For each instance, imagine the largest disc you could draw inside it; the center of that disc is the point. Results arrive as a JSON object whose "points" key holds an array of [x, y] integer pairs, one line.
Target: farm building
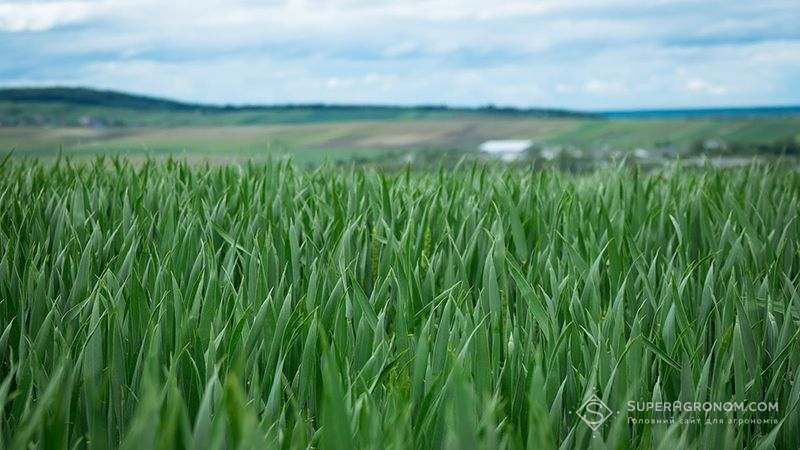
{"points": [[507, 150]]}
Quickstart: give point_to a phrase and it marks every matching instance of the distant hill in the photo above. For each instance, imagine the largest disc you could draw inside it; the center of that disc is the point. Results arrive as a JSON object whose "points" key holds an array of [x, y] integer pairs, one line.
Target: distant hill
{"points": [[92, 97], [84, 107], [60, 106]]}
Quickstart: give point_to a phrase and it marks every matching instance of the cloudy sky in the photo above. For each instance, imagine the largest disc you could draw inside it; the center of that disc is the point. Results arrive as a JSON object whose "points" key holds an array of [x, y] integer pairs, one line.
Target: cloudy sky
{"points": [[583, 54]]}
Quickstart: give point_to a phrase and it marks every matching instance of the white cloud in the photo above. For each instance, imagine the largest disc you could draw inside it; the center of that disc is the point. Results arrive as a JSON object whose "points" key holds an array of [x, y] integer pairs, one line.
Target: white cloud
{"points": [[19, 17], [568, 53], [595, 86], [705, 87], [563, 88]]}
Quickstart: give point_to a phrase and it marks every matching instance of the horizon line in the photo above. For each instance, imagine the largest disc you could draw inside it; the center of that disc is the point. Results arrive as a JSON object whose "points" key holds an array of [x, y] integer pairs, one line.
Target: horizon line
{"points": [[476, 107]]}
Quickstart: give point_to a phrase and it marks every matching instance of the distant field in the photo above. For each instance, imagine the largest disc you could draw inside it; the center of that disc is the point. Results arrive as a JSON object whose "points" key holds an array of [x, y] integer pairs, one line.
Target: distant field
{"points": [[369, 139], [85, 122]]}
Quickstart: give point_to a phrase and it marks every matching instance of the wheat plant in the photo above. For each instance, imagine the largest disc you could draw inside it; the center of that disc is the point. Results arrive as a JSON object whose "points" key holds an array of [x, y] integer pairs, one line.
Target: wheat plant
{"points": [[167, 305]]}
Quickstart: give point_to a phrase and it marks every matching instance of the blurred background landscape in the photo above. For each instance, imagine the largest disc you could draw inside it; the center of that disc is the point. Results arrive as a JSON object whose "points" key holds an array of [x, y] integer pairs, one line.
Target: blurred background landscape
{"points": [[46, 122]]}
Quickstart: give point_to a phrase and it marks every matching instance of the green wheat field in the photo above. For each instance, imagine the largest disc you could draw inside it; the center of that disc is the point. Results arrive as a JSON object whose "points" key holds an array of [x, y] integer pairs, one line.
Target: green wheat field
{"points": [[162, 305]]}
